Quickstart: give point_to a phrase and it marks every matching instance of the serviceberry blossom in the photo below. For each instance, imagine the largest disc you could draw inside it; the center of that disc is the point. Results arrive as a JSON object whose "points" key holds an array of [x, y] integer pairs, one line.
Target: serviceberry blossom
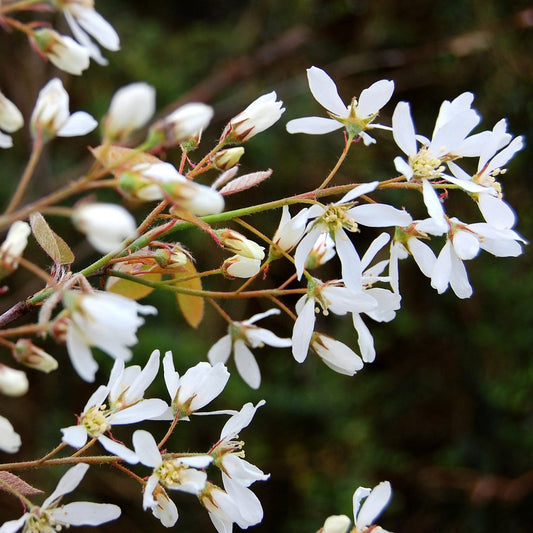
{"points": [[337, 217], [51, 114], [13, 247], [257, 117], [200, 385], [131, 108], [85, 22], [102, 319], [289, 232], [180, 473], [51, 516], [241, 336], [240, 266], [125, 405], [449, 141], [330, 296], [336, 354], [65, 53], [356, 117], [375, 501], [105, 225], [10, 120], [237, 503]]}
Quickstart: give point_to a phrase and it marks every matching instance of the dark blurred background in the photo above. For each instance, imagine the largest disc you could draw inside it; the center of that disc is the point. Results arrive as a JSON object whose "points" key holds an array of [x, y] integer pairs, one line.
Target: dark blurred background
{"points": [[445, 412]]}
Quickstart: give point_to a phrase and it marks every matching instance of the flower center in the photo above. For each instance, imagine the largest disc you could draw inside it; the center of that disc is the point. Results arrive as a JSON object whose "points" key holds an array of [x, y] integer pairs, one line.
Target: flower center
{"points": [[95, 422], [336, 217], [40, 521], [171, 473], [426, 165]]}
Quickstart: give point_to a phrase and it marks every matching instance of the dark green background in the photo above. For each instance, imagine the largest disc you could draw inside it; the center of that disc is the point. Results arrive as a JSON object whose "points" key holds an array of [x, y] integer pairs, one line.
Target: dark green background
{"points": [[445, 411]]}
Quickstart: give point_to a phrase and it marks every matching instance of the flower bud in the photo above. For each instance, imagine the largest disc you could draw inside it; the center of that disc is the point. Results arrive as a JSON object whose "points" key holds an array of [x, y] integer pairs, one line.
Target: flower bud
{"points": [[185, 122], [323, 250], [336, 524], [239, 266], [257, 117], [9, 439], [226, 159], [170, 258], [10, 117], [12, 382], [105, 225], [12, 248], [26, 353], [234, 241], [289, 232], [199, 199], [131, 108], [65, 53]]}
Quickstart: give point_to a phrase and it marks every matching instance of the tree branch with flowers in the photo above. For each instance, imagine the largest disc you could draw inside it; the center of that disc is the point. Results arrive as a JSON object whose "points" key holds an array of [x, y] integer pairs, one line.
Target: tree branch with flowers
{"points": [[96, 305]]}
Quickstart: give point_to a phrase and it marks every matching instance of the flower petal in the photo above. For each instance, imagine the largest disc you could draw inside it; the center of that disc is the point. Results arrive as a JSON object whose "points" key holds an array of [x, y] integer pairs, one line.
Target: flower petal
{"points": [[324, 89]]}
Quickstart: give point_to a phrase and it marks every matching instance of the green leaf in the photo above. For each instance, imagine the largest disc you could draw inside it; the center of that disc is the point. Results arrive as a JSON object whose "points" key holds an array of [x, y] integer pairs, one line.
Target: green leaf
{"points": [[50, 242]]}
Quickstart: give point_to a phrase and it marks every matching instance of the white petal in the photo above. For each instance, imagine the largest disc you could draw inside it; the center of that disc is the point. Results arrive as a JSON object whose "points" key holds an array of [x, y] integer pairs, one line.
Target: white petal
{"points": [[375, 246], [403, 129], [350, 262], [337, 355], [313, 125], [364, 339], [146, 448], [143, 410], [79, 123], [14, 525], [172, 378], [423, 255], [247, 365], [240, 420], [380, 215], [92, 22], [403, 167], [75, 436], [70, 480], [303, 331], [80, 355], [459, 278], [466, 245], [220, 351], [118, 449], [440, 277], [433, 204], [496, 212], [136, 390], [324, 89], [374, 505], [86, 514], [365, 188], [304, 248], [374, 98]]}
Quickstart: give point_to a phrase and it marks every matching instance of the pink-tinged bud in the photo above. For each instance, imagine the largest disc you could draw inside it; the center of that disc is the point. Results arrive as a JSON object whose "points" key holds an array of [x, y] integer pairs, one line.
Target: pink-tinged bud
{"points": [[12, 382], [257, 117], [65, 53], [238, 243], [105, 225], [323, 250], [26, 353], [239, 266], [226, 159], [186, 122], [10, 117], [13, 247], [131, 108]]}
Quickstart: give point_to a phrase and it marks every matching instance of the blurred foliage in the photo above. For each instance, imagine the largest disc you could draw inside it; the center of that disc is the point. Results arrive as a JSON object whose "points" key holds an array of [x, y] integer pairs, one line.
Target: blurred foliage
{"points": [[445, 412]]}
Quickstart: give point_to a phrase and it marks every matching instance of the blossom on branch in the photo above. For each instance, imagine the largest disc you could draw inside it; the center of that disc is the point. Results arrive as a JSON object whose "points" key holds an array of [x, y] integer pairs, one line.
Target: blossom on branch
{"points": [[10, 120]]}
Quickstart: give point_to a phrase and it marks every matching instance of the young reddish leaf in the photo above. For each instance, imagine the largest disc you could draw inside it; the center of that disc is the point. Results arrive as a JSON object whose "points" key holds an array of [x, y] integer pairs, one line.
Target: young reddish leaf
{"points": [[245, 182], [50, 242], [16, 483], [192, 307]]}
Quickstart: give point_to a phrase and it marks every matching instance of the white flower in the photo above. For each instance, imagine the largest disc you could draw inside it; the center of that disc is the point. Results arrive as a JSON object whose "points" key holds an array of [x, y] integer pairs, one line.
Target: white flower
{"points": [[335, 218], [239, 266], [374, 504], [10, 120], [240, 336], [195, 389], [125, 405], [13, 382], [290, 230], [356, 117], [105, 320], [105, 225], [51, 516], [257, 117], [9, 439], [84, 21], [455, 121], [51, 115], [181, 473], [336, 355], [65, 53], [14, 245], [330, 296], [131, 108], [336, 524], [238, 243]]}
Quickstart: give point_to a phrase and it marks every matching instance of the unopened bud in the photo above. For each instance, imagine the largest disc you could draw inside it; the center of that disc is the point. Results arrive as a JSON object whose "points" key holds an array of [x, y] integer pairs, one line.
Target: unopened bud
{"points": [[12, 382], [12, 248], [323, 250], [65, 53], [131, 108], [226, 159], [239, 266], [26, 353], [336, 524], [199, 199], [10, 117], [170, 258], [236, 242]]}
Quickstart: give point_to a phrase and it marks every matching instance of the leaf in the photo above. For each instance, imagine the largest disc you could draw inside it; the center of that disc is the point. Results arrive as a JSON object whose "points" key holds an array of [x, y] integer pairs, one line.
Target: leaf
{"points": [[130, 289], [114, 157], [50, 242], [245, 182], [13, 481], [192, 307]]}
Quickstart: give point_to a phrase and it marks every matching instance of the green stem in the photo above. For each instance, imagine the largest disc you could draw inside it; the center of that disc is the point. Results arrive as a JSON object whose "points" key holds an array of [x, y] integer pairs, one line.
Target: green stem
{"points": [[342, 157]]}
